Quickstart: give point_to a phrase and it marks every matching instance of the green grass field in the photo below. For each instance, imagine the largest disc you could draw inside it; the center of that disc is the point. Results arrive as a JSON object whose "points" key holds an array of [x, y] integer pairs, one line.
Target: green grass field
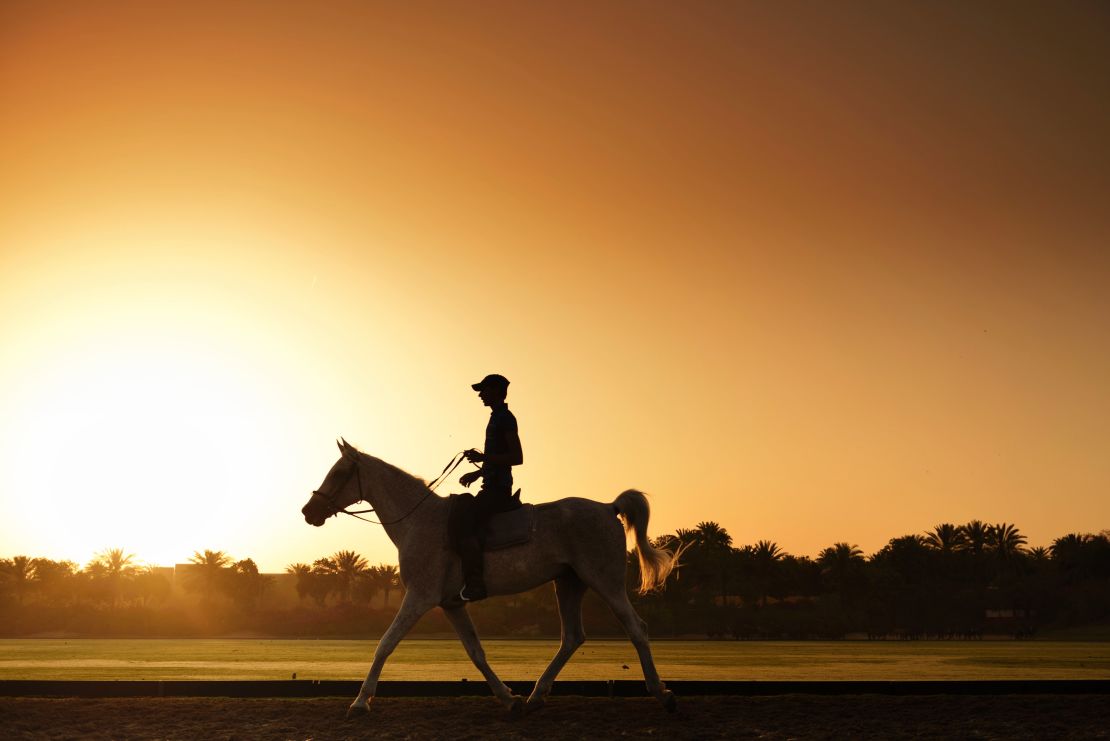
{"points": [[445, 660]]}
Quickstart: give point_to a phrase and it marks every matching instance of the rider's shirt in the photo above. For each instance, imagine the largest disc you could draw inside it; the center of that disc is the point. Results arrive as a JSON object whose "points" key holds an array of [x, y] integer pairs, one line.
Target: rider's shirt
{"points": [[501, 422]]}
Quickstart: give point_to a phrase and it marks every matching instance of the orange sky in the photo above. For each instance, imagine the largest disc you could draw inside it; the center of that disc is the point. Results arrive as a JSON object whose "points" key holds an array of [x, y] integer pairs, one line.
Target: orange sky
{"points": [[818, 273]]}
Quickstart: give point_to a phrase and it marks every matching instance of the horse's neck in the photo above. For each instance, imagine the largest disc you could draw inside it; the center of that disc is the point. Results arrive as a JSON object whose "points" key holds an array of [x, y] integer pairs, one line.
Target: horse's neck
{"points": [[394, 495]]}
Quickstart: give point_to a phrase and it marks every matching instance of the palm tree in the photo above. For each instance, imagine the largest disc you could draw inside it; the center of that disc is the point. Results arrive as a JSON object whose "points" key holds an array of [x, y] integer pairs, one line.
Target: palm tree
{"points": [[325, 579], [212, 571], [839, 561], [348, 567], [977, 533], [1069, 554], [686, 536], [712, 535], [1068, 547], [115, 562], [768, 551], [946, 538], [246, 584], [839, 556], [386, 578], [765, 557], [113, 565], [715, 546], [304, 575], [18, 573], [1005, 540]]}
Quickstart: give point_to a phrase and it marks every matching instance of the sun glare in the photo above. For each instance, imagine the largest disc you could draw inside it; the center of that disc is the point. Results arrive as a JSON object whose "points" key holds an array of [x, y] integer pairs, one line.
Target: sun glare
{"points": [[139, 442]]}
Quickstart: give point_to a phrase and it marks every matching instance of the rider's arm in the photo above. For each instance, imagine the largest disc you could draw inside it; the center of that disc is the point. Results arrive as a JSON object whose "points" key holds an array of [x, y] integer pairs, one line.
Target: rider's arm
{"points": [[514, 457]]}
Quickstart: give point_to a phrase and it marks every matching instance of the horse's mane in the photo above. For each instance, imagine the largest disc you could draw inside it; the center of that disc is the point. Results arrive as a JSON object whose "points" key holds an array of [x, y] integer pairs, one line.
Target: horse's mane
{"points": [[389, 468]]}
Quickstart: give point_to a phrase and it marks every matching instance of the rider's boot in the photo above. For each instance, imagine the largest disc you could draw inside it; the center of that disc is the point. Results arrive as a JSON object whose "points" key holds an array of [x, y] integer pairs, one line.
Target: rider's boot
{"points": [[474, 584]]}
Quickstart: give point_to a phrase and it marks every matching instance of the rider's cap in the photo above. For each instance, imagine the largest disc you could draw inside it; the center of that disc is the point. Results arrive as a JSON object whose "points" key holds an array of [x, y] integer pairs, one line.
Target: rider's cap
{"points": [[495, 380]]}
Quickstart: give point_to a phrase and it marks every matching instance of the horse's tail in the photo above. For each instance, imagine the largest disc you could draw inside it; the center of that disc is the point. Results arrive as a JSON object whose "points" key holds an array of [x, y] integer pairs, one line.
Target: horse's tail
{"points": [[655, 563]]}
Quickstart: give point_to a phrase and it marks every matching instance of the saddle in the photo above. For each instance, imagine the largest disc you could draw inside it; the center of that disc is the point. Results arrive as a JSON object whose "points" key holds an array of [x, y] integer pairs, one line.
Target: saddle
{"points": [[508, 528], [514, 527]]}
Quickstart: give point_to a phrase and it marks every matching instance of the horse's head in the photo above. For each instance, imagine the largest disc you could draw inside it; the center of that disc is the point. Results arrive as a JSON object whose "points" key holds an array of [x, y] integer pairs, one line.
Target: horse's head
{"points": [[341, 488]]}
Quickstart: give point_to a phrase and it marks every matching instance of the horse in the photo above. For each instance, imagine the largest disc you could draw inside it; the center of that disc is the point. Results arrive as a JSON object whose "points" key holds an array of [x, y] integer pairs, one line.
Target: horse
{"points": [[577, 543]]}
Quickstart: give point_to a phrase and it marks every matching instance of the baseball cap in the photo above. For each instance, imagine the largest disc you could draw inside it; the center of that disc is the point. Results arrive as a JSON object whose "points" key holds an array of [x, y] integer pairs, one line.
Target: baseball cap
{"points": [[493, 379]]}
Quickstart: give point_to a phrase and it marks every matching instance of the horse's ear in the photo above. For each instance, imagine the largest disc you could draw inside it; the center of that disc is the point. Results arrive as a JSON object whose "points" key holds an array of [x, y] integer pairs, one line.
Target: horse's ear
{"points": [[346, 449]]}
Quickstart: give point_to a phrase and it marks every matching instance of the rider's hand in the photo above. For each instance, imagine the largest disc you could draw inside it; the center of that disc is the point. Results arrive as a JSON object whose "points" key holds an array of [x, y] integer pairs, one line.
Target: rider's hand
{"points": [[469, 477], [474, 456]]}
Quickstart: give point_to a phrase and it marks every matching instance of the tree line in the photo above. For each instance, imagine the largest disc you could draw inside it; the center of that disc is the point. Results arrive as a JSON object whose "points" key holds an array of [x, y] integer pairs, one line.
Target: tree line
{"points": [[114, 579], [953, 581], [345, 576]]}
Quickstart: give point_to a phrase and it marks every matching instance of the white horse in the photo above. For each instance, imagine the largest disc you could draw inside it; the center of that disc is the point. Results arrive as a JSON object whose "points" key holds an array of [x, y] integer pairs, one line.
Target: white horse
{"points": [[577, 543]]}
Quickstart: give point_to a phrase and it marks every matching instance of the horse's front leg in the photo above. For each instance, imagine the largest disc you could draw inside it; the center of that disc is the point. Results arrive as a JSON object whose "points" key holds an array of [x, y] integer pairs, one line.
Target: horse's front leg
{"points": [[413, 606], [460, 620]]}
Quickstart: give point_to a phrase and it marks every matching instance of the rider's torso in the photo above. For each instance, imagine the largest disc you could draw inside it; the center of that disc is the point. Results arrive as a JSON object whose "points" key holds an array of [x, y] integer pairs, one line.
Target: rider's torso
{"points": [[501, 422]]}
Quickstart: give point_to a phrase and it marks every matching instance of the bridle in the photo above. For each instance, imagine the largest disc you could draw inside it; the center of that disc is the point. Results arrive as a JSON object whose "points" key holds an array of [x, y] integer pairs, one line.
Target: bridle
{"points": [[356, 471]]}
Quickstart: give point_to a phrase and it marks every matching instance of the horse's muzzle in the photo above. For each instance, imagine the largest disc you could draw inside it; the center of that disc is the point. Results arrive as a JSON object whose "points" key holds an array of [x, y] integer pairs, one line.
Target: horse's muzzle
{"points": [[316, 519]]}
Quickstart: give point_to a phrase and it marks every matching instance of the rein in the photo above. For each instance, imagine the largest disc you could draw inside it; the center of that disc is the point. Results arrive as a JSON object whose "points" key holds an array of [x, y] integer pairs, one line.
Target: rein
{"points": [[357, 471]]}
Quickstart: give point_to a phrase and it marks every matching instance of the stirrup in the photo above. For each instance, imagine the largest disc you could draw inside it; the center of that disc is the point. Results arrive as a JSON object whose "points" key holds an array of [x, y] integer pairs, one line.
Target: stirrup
{"points": [[464, 598]]}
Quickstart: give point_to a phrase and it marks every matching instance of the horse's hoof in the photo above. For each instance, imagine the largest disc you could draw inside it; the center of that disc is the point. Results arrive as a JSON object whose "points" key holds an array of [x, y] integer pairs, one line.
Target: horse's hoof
{"points": [[516, 710], [357, 711], [534, 704], [670, 702]]}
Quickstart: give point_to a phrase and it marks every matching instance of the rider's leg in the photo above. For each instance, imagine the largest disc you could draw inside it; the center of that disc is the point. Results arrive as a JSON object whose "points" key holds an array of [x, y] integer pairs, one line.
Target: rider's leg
{"points": [[488, 503], [474, 584], [463, 523]]}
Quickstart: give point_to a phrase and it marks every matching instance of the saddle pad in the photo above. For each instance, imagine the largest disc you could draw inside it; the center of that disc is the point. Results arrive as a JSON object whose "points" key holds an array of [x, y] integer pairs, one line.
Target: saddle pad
{"points": [[510, 528]]}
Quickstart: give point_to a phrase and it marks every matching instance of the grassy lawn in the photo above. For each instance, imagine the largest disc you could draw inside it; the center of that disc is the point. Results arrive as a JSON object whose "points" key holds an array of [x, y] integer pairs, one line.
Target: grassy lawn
{"points": [[514, 659]]}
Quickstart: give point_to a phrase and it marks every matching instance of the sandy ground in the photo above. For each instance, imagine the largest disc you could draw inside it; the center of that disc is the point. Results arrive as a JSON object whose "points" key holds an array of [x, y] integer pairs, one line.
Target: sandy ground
{"points": [[782, 717]]}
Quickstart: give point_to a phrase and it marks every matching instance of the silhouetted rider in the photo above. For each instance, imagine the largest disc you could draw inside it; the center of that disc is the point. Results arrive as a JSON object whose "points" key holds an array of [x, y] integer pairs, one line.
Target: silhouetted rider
{"points": [[471, 513]]}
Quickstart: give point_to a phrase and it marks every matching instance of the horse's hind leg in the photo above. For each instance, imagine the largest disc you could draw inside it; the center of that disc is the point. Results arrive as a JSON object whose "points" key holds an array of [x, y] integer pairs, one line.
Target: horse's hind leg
{"points": [[569, 591], [412, 609], [460, 620], [617, 599]]}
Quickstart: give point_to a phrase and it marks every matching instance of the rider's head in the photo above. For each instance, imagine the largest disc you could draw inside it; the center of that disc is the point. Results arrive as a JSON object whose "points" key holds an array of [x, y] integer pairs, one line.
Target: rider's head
{"points": [[492, 389]]}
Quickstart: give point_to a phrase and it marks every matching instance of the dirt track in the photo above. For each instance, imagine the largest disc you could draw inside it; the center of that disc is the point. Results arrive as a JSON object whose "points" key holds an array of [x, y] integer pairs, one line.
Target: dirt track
{"points": [[783, 717]]}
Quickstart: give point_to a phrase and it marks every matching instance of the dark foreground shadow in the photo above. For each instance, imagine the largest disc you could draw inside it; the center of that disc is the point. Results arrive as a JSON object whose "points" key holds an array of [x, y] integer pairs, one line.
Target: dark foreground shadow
{"points": [[788, 716]]}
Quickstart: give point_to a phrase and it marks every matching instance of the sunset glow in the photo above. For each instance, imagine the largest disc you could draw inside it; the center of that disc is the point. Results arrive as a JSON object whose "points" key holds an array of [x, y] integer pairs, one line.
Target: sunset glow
{"points": [[819, 278]]}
